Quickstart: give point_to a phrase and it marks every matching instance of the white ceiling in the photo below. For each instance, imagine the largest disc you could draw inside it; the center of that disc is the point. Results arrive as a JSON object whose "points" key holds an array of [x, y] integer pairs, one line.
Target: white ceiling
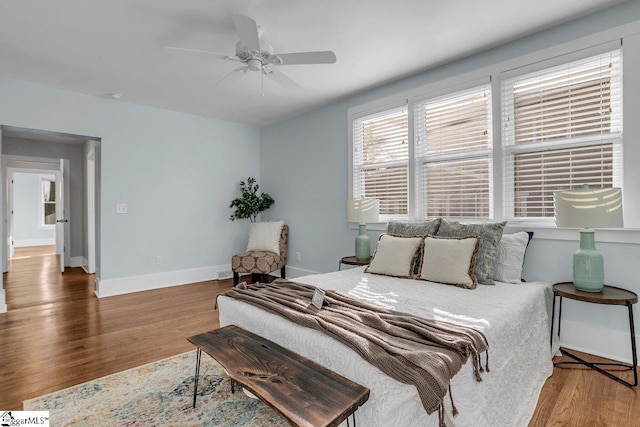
{"points": [[98, 47]]}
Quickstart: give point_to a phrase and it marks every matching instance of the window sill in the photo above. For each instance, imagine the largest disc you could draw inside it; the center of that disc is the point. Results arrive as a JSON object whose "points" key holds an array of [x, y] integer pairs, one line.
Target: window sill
{"points": [[551, 232]]}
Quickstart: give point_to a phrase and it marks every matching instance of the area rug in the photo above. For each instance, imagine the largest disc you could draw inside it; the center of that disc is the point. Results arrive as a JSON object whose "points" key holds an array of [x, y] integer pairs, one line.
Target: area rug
{"points": [[157, 394]]}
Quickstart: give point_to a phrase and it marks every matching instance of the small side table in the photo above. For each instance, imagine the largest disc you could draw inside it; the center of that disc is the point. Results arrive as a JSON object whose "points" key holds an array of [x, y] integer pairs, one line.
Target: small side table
{"points": [[351, 260], [610, 295]]}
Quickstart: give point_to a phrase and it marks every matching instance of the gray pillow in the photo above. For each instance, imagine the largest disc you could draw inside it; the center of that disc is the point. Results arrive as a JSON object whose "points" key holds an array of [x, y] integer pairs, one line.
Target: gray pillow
{"points": [[421, 228], [490, 235]]}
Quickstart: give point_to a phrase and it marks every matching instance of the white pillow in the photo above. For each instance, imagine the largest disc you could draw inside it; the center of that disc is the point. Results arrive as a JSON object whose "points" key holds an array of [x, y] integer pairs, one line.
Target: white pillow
{"points": [[395, 256], [510, 257], [450, 261], [265, 236]]}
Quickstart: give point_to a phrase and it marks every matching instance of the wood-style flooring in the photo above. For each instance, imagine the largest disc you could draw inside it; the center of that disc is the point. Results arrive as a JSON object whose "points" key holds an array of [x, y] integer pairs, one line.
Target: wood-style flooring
{"points": [[57, 334]]}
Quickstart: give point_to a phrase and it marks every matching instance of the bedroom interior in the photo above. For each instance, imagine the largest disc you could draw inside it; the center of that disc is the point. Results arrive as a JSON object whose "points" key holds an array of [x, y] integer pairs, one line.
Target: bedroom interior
{"points": [[175, 165]]}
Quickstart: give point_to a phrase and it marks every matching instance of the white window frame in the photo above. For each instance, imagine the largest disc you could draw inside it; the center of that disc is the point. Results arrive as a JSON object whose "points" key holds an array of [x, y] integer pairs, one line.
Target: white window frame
{"points": [[370, 109], [41, 203], [470, 155], [410, 99], [509, 148]]}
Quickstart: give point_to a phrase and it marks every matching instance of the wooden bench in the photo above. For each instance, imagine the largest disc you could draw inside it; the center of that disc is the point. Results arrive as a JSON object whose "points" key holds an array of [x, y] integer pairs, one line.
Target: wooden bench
{"points": [[302, 391]]}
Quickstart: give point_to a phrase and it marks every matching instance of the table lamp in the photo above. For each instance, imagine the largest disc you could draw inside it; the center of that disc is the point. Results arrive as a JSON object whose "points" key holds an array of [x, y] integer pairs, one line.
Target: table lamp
{"points": [[362, 211], [589, 208]]}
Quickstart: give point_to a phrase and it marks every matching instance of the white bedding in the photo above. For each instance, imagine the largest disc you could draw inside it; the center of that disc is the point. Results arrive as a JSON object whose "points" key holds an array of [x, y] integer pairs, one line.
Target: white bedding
{"points": [[514, 318]]}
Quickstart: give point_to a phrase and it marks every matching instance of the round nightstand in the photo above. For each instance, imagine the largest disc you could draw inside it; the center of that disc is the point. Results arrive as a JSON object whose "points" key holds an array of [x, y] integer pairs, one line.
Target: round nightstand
{"points": [[610, 295], [352, 260]]}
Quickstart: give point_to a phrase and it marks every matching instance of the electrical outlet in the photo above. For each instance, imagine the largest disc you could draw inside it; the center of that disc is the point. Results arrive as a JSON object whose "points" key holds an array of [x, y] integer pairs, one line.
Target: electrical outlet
{"points": [[298, 256], [159, 260], [121, 208]]}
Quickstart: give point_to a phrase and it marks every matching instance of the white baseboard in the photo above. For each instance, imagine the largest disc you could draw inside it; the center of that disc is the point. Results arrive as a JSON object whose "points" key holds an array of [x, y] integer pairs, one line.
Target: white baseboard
{"points": [[21, 243], [293, 272], [594, 340], [75, 261], [126, 285], [3, 305]]}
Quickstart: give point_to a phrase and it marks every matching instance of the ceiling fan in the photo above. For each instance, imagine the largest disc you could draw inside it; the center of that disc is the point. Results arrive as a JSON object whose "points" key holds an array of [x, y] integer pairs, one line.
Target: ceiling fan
{"points": [[257, 55]]}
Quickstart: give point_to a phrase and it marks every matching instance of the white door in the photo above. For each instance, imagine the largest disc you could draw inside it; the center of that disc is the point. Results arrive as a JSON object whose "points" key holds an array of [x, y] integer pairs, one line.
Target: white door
{"points": [[10, 222], [91, 209], [60, 216]]}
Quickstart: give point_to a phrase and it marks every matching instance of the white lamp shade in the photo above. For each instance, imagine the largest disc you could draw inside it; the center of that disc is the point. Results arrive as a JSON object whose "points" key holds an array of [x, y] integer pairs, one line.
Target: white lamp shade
{"points": [[364, 210], [589, 207]]}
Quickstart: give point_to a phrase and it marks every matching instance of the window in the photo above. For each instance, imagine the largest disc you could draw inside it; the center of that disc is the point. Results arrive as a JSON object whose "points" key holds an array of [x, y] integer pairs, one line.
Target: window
{"points": [[562, 127], [434, 153], [380, 159], [48, 200], [453, 155]]}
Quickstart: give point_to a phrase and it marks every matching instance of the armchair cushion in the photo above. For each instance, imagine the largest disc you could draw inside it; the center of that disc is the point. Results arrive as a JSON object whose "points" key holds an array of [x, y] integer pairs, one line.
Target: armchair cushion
{"points": [[259, 262]]}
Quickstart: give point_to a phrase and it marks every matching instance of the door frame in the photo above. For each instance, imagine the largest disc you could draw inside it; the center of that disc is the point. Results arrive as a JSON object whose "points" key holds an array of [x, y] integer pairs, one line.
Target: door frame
{"points": [[26, 164]]}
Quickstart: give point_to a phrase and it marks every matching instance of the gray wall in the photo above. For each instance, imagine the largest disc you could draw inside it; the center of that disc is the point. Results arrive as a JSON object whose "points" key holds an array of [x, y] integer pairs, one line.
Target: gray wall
{"points": [[177, 173]]}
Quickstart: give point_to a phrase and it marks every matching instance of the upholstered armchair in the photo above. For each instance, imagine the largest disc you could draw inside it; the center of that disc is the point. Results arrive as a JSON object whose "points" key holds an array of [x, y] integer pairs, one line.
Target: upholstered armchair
{"points": [[261, 262]]}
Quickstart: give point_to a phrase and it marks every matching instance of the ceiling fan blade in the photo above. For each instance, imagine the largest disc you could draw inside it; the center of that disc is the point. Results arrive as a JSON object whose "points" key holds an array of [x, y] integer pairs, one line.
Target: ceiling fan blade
{"points": [[234, 75], [248, 32], [281, 78], [203, 52], [321, 57]]}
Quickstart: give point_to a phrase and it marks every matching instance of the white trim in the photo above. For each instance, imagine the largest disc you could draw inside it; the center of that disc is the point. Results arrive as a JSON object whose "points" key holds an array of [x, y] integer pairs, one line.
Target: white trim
{"points": [[75, 261], [41, 202], [34, 242], [606, 235], [84, 264], [126, 285], [595, 340], [293, 272], [3, 305]]}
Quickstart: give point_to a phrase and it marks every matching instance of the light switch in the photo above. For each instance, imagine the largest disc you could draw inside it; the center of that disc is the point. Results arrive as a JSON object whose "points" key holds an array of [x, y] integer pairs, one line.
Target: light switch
{"points": [[121, 208]]}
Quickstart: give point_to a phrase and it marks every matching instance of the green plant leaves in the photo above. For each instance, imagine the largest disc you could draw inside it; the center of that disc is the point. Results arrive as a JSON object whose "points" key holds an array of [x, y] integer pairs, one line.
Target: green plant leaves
{"points": [[250, 204]]}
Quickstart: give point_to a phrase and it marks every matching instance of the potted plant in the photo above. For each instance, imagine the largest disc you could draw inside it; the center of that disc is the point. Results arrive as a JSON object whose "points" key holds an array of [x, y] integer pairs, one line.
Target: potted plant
{"points": [[250, 204]]}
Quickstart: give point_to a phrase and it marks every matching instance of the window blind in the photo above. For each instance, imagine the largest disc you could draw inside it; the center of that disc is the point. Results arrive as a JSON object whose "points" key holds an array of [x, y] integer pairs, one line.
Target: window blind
{"points": [[562, 128], [453, 155], [380, 159]]}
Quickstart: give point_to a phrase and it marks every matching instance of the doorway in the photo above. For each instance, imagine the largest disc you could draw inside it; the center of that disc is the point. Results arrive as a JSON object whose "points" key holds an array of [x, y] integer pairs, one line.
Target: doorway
{"points": [[36, 198], [75, 160]]}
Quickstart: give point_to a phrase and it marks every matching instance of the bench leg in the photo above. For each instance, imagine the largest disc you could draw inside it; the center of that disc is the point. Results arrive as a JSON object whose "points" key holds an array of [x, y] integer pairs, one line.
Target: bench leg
{"points": [[236, 278], [282, 273], [195, 383]]}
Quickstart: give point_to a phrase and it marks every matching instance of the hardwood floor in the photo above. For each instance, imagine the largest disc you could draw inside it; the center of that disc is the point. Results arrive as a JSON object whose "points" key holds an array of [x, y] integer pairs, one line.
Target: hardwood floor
{"points": [[58, 334]]}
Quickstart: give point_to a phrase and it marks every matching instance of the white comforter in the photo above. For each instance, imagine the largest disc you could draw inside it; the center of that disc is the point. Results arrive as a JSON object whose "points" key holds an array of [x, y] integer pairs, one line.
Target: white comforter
{"points": [[514, 318]]}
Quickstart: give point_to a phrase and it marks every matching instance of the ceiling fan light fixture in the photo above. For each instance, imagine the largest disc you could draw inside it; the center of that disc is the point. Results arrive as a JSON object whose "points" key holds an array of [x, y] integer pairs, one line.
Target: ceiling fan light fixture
{"points": [[254, 64]]}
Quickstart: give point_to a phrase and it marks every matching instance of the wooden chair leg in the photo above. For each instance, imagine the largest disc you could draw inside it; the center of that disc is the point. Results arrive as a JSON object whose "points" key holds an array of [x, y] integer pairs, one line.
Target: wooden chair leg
{"points": [[236, 278], [282, 271]]}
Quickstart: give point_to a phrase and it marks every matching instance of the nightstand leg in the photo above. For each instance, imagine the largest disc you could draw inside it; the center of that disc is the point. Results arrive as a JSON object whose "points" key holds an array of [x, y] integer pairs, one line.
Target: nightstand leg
{"points": [[553, 316], [633, 345], [559, 317]]}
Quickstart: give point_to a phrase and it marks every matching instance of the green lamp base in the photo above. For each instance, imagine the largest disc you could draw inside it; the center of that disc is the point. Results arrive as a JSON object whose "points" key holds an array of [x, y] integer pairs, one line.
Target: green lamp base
{"points": [[588, 264], [363, 245]]}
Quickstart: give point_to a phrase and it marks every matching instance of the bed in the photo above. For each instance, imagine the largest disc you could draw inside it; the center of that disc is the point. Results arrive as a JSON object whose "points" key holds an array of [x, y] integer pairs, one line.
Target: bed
{"points": [[514, 317]]}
